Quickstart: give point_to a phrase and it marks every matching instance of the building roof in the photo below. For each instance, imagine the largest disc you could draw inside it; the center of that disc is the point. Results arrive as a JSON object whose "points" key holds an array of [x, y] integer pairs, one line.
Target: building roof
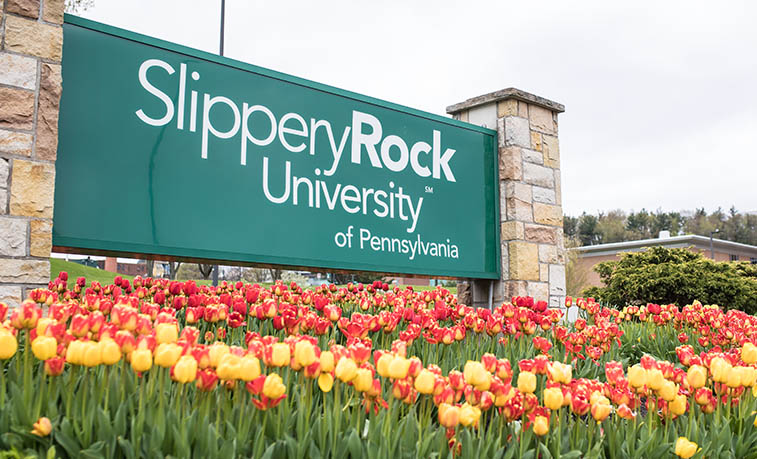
{"points": [[700, 242]]}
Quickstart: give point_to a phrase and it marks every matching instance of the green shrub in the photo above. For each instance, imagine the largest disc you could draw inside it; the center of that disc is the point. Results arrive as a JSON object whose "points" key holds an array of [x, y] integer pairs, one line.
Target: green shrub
{"points": [[678, 276]]}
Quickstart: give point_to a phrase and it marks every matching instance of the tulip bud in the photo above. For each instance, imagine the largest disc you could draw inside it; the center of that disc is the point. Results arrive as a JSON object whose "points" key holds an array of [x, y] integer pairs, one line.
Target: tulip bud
{"points": [[749, 353], [91, 356], [600, 411], [685, 448], [678, 405], [553, 398], [166, 333], [637, 376], [185, 370], [449, 415], [696, 376], [325, 382], [363, 380], [304, 353], [273, 387], [44, 347], [280, 355], [54, 366], [249, 368], [327, 362], [346, 369], [668, 390], [399, 368], [42, 427], [469, 415], [383, 363], [110, 352]]}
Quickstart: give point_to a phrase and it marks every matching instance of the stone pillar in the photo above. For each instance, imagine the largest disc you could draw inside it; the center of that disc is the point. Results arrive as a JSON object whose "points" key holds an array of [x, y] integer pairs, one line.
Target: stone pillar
{"points": [[533, 258], [31, 42]]}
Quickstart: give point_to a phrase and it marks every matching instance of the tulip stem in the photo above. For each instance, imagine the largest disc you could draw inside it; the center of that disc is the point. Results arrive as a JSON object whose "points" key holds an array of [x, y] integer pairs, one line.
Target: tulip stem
{"points": [[107, 389], [2, 384]]}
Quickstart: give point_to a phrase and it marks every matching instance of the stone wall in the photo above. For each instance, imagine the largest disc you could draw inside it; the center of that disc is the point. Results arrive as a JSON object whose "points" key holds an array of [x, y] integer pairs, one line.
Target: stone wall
{"points": [[533, 253], [31, 44]]}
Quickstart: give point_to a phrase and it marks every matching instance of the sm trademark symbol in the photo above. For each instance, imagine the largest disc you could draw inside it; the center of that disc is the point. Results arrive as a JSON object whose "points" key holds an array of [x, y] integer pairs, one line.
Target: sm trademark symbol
{"points": [[429, 189]]}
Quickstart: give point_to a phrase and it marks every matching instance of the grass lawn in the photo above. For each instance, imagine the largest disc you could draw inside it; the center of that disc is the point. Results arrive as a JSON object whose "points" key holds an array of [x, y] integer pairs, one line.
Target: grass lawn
{"points": [[76, 270]]}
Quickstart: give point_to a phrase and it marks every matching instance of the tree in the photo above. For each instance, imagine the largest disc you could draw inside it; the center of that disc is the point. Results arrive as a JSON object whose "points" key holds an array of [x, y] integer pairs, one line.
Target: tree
{"points": [[612, 227], [77, 6], [205, 270], [173, 267], [680, 276], [587, 230]]}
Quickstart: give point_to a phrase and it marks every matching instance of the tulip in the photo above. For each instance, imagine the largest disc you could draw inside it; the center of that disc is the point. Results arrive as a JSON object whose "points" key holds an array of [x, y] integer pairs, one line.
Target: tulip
{"points": [[280, 355], [685, 448], [541, 425], [668, 390], [424, 383], [54, 366], [363, 380], [383, 363], [141, 360], [600, 411], [110, 351], [678, 405], [44, 347], [526, 382], [249, 368], [166, 333], [327, 361], [449, 415], [469, 415], [167, 354], [91, 356], [42, 427], [75, 352], [346, 369], [229, 368], [696, 376], [720, 369], [216, 351], [553, 398], [273, 387], [325, 382], [185, 370], [749, 353], [399, 368], [304, 353], [637, 376], [8, 344], [655, 379], [560, 372], [625, 412]]}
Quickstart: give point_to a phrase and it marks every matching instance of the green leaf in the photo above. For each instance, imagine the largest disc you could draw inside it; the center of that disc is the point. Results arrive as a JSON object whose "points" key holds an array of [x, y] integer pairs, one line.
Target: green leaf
{"points": [[126, 447], [96, 451], [51, 453]]}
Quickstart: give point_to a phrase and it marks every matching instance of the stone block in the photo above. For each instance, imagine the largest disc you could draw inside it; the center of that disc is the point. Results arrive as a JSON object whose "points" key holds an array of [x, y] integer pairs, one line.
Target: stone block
{"points": [[514, 131], [5, 168], [17, 108], [47, 112], [515, 288], [547, 214], [13, 237], [541, 234], [508, 107], [3, 201], [504, 261], [523, 108], [462, 116], [32, 189], [53, 11], [548, 253], [551, 149], [557, 280], [28, 8], [11, 295], [518, 190], [544, 272], [539, 291], [515, 209], [558, 188], [41, 238], [538, 175], [532, 156], [536, 141], [541, 120], [18, 71], [545, 195], [34, 38], [512, 231], [483, 115], [19, 271], [524, 260], [510, 164], [16, 143]]}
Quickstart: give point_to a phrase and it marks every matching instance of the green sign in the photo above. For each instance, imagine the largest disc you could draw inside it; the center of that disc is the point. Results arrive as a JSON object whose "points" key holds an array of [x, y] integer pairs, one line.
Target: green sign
{"points": [[171, 151]]}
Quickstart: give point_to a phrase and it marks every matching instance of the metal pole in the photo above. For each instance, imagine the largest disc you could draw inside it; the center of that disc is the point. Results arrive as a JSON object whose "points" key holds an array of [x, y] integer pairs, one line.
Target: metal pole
{"points": [[491, 294], [712, 250], [223, 17]]}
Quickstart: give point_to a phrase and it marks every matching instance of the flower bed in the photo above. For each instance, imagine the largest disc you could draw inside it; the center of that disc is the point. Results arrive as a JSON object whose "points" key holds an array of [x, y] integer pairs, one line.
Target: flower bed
{"points": [[154, 368]]}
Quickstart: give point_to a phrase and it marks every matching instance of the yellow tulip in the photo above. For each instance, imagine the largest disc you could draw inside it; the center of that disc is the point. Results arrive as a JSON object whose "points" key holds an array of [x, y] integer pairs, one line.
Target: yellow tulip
{"points": [[363, 381], [553, 398], [8, 344], [655, 379], [280, 355], [399, 367], [469, 415], [91, 356], [526, 382], [449, 415], [166, 333], [325, 382], [749, 353], [273, 387], [141, 359], [685, 448], [720, 369], [229, 367], [637, 376], [167, 354], [185, 370], [304, 353], [249, 368], [346, 369], [216, 351], [678, 405], [44, 347], [42, 427], [110, 351], [383, 363], [541, 425], [668, 390], [697, 376], [424, 383], [75, 352], [327, 361]]}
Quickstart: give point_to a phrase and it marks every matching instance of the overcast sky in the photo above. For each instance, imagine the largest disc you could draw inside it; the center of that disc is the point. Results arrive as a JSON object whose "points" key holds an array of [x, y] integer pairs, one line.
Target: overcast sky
{"points": [[661, 97]]}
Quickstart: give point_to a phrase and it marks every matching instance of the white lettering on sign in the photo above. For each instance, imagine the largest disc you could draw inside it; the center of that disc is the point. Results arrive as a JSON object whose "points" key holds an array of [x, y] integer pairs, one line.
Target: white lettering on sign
{"points": [[258, 126]]}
